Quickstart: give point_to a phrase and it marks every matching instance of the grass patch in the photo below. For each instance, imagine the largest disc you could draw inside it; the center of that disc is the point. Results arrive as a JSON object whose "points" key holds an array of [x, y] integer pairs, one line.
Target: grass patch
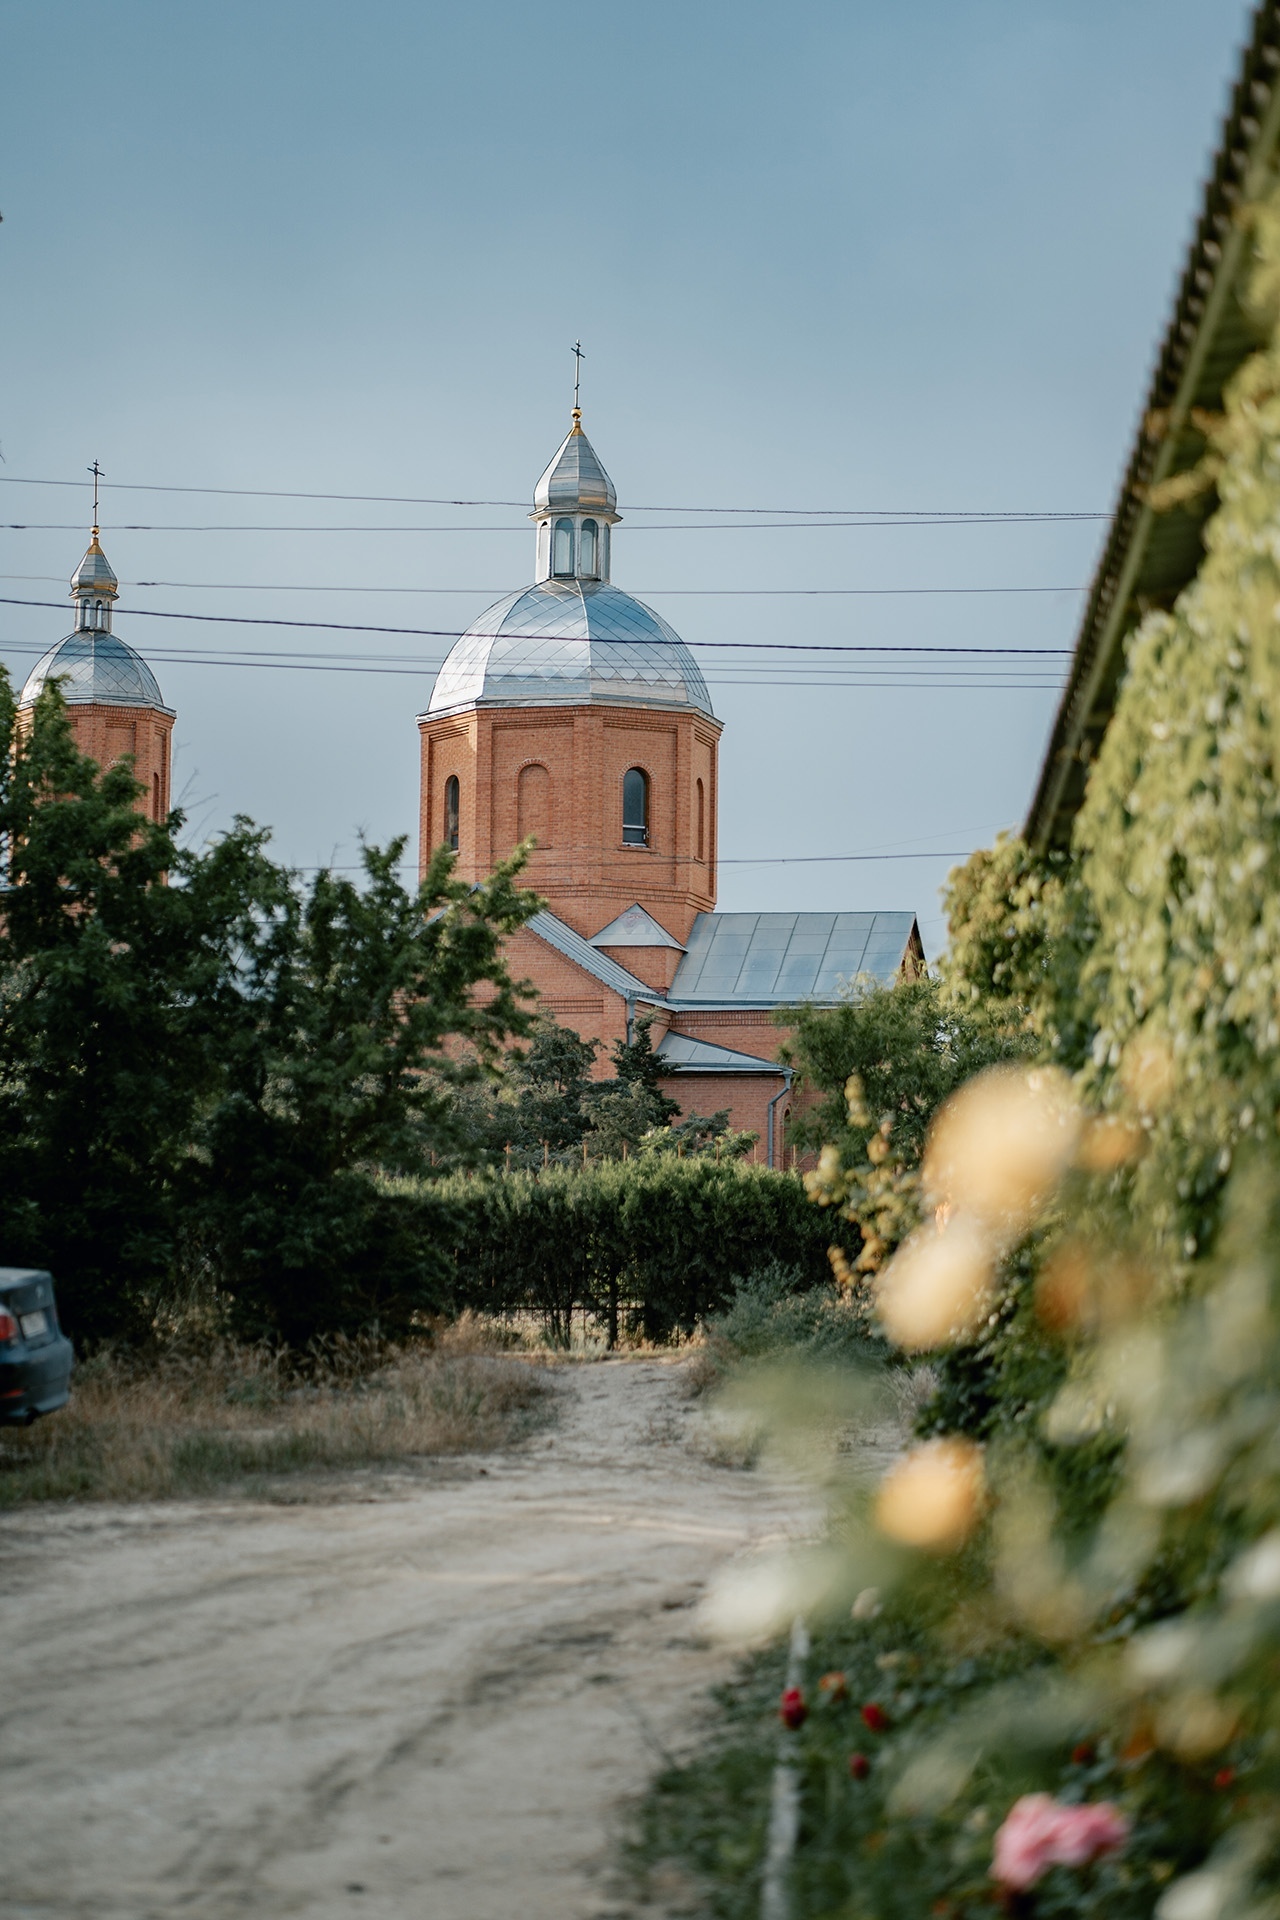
{"points": [[171, 1422]]}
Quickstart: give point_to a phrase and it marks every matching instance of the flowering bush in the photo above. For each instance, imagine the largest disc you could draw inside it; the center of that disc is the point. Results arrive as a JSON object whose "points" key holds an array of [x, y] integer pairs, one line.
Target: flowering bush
{"points": [[1040, 1832], [1075, 1639]]}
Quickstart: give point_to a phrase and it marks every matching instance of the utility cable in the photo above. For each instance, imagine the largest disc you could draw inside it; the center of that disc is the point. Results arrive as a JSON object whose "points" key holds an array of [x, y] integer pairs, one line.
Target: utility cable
{"points": [[454, 633], [424, 500]]}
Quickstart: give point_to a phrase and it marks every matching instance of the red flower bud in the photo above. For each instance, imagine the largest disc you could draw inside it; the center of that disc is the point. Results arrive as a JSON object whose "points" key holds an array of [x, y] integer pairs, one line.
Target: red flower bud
{"points": [[1225, 1777], [1084, 1755], [791, 1708], [833, 1687], [859, 1766], [874, 1718]]}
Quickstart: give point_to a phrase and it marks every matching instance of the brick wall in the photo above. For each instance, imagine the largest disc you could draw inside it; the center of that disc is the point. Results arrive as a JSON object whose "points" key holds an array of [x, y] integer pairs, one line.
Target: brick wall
{"points": [[580, 755]]}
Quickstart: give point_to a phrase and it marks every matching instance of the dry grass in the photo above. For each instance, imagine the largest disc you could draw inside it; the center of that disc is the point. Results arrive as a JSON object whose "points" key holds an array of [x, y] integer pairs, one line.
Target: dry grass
{"points": [[176, 1423]]}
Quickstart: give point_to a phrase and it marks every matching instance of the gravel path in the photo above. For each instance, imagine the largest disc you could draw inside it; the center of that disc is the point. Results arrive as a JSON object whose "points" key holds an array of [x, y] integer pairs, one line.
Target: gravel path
{"points": [[421, 1697]]}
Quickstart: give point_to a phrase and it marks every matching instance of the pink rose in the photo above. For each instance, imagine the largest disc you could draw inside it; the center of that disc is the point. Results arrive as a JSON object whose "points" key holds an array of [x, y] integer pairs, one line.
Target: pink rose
{"points": [[1039, 1833]]}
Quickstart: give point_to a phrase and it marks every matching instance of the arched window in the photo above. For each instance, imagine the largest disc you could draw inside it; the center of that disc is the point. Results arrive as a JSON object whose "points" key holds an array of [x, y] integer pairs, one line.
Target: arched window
{"points": [[701, 813], [562, 550], [588, 565], [533, 804], [155, 797], [635, 808], [451, 792]]}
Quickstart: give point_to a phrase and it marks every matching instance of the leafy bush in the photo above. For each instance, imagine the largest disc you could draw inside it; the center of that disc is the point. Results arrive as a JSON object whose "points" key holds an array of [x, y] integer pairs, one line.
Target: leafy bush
{"points": [[653, 1244], [777, 1310]]}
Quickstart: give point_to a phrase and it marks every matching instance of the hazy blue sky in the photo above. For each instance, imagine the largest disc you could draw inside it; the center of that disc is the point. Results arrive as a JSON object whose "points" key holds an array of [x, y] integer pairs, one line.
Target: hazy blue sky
{"points": [[845, 255]]}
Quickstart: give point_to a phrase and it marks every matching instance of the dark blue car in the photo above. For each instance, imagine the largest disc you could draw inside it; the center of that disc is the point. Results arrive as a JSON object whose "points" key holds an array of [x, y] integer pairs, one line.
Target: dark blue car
{"points": [[35, 1355]]}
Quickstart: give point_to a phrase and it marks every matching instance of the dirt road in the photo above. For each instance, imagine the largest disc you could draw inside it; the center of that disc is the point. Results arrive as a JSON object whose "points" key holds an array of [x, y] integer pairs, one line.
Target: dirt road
{"points": [[427, 1698]]}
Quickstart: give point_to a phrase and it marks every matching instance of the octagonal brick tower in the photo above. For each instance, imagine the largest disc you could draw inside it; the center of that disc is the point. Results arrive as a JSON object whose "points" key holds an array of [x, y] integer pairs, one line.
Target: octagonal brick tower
{"points": [[113, 702], [573, 713]]}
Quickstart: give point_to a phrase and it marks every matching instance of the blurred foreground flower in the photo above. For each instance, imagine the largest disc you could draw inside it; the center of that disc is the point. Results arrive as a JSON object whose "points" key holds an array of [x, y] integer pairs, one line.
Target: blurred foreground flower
{"points": [[999, 1147], [792, 1710], [1040, 1832], [934, 1497], [938, 1285]]}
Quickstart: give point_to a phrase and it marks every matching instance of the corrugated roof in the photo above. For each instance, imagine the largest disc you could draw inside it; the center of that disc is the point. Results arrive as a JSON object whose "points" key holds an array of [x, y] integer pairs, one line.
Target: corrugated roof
{"points": [[685, 1055], [1150, 557], [572, 945], [776, 959]]}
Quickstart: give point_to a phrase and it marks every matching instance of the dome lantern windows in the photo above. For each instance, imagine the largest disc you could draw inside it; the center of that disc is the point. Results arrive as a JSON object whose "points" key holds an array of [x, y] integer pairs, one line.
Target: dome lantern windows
{"points": [[562, 550], [635, 807], [588, 550]]}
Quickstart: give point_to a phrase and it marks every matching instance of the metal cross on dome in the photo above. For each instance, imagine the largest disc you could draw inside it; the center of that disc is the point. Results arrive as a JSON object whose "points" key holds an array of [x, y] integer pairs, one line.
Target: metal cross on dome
{"points": [[578, 357], [98, 474]]}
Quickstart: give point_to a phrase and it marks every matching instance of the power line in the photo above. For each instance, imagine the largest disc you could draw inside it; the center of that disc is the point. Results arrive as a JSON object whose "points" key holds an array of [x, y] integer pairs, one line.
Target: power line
{"points": [[831, 523], [454, 633], [653, 593], [421, 500]]}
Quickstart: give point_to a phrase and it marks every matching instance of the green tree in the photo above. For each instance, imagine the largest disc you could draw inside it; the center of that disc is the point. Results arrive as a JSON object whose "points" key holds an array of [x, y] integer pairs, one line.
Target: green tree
{"points": [[204, 1069], [116, 990], [368, 1005], [636, 1064], [908, 1048]]}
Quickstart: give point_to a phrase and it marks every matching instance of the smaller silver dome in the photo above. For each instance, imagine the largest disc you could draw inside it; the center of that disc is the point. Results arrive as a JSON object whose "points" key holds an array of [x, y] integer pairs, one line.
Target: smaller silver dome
{"points": [[97, 668], [575, 481]]}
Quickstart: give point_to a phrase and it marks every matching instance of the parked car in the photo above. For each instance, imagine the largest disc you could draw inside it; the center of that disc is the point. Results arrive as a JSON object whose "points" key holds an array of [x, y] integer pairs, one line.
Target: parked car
{"points": [[35, 1354]]}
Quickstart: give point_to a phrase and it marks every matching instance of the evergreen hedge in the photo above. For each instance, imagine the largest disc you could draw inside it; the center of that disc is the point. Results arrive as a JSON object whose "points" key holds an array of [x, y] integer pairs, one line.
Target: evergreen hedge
{"points": [[650, 1246]]}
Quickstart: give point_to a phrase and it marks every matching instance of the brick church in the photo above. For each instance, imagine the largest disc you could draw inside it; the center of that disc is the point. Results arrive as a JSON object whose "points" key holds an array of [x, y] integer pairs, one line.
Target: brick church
{"points": [[111, 693], [573, 714]]}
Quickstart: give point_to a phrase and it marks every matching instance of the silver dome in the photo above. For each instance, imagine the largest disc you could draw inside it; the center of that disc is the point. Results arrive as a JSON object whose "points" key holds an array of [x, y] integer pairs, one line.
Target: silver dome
{"points": [[97, 667], [94, 574], [575, 481], [566, 642]]}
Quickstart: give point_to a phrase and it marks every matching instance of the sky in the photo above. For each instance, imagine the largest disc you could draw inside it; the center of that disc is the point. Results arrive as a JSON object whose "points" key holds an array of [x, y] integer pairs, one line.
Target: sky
{"points": [[899, 260]]}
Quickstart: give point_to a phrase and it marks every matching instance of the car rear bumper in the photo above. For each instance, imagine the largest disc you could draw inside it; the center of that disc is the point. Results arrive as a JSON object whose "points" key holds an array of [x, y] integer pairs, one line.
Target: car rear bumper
{"points": [[36, 1381]]}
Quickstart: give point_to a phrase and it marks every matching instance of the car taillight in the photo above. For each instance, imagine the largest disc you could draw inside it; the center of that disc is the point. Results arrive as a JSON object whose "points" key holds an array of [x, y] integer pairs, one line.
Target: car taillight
{"points": [[8, 1327]]}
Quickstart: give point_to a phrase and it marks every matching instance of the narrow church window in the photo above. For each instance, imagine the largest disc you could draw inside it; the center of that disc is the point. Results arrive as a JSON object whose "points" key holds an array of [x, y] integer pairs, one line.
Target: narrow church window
{"points": [[635, 808], [603, 569], [587, 550], [155, 797], [533, 804], [451, 812], [562, 550], [702, 820]]}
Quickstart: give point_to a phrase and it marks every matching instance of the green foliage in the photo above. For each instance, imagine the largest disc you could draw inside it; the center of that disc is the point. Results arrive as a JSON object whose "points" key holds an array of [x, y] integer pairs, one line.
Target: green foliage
{"points": [[546, 1109], [652, 1244], [1107, 1625], [115, 992], [776, 1310], [636, 1064], [909, 1049], [204, 1067]]}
